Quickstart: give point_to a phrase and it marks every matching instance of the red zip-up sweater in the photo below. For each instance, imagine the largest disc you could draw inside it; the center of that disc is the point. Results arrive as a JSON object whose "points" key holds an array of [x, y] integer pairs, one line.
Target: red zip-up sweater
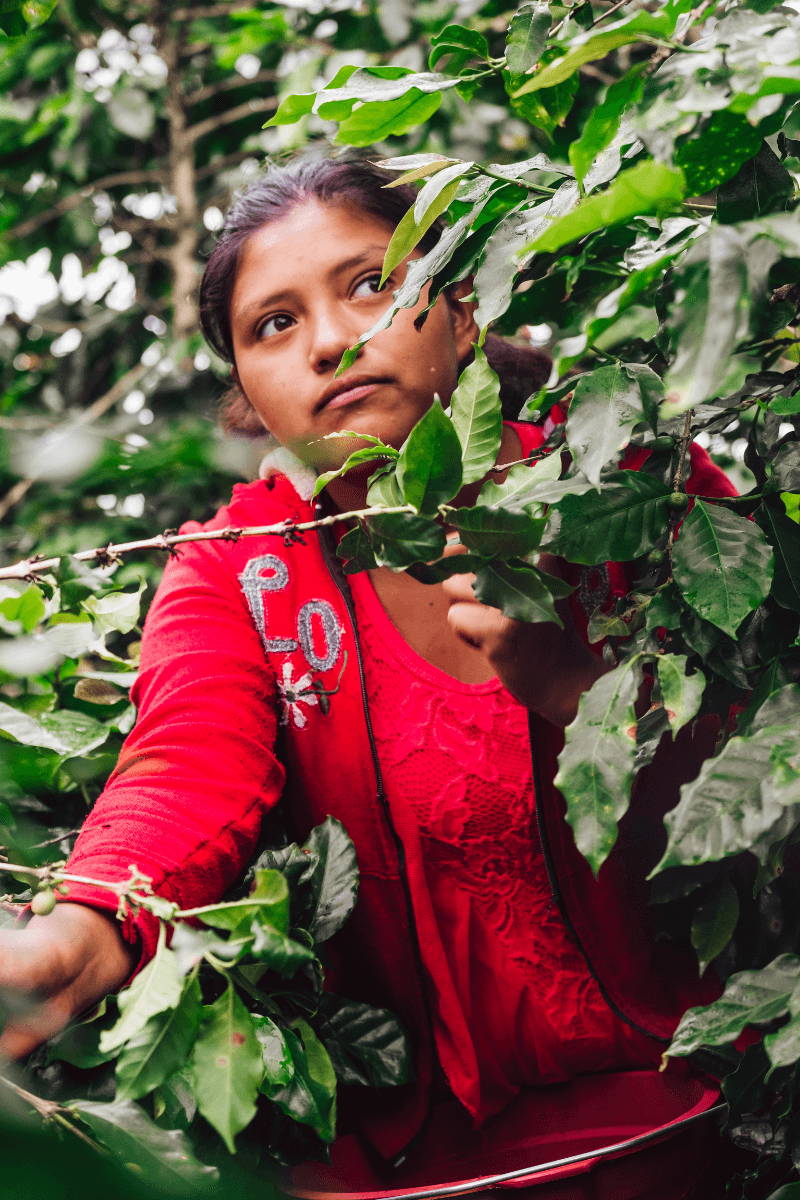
{"points": [[234, 626]]}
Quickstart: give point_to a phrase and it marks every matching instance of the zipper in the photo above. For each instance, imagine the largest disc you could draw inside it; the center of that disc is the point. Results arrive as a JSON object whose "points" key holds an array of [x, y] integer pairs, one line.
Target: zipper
{"points": [[547, 854], [342, 586]]}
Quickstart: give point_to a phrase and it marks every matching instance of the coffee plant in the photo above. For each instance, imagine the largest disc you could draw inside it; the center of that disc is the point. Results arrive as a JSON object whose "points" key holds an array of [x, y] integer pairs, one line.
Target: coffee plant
{"points": [[646, 222]]}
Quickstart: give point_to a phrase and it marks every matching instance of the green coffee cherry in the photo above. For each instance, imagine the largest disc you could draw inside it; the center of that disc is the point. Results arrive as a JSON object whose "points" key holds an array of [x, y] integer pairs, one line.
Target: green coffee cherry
{"points": [[656, 557], [663, 442], [43, 902], [678, 501]]}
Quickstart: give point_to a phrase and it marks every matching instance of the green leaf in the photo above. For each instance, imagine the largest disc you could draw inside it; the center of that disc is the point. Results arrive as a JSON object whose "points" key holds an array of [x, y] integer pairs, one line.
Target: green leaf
{"points": [[649, 187], [605, 409], [278, 952], [783, 1046], [603, 121], [458, 43], [278, 1061], [27, 730], [527, 36], [495, 533], [716, 284], [750, 998], [429, 466], [784, 537], [595, 768], [431, 202], [157, 987], [791, 504], [115, 612], [267, 903], [367, 1045], [740, 799], [227, 1066], [714, 922], [716, 153], [587, 47], [355, 550], [522, 592], [334, 880], [620, 523], [310, 1097], [374, 122], [477, 417], [363, 455], [161, 1047], [164, 1157], [494, 279], [373, 84], [722, 564], [28, 608], [527, 488], [680, 693], [400, 539]]}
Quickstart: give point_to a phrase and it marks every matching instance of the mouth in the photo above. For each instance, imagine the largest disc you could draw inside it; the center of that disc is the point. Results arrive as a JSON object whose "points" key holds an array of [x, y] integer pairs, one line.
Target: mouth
{"points": [[349, 391]]}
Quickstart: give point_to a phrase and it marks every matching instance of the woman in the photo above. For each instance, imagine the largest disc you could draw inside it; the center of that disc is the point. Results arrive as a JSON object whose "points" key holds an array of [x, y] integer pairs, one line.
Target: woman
{"points": [[510, 974]]}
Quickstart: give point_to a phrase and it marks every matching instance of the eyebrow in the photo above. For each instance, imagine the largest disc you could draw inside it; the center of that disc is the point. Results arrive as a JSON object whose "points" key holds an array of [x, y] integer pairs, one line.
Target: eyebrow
{"points": [[356, 260]]}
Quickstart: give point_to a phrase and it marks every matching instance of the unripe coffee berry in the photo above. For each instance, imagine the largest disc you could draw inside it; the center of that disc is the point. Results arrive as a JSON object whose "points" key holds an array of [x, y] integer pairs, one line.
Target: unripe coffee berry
{"points": [[663, 442], [43, 902], [678, 501], [656, 557]]}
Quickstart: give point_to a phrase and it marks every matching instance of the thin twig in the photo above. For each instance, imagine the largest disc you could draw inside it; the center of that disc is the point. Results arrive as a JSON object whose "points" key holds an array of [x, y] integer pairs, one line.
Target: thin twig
{"points": [[226, 85], [74, 199], [50, 1110], [248, 109], [685, 440]]}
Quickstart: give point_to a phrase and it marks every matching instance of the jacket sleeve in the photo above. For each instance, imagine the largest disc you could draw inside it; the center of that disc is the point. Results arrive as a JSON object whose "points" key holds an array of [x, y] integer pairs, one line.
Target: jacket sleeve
{"points": [[198, 772]]}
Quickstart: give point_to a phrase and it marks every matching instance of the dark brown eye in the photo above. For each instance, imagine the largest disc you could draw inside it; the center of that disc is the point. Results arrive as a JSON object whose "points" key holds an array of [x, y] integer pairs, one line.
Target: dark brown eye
{"points": [[275, 324]]}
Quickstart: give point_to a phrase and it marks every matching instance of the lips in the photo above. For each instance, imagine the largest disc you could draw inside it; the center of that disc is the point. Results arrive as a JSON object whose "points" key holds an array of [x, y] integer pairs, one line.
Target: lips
{"points": [[348, 391]]}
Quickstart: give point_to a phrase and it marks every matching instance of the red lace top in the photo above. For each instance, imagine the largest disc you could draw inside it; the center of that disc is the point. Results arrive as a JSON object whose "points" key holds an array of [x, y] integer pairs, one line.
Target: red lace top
{"points": [[514, 1002]]}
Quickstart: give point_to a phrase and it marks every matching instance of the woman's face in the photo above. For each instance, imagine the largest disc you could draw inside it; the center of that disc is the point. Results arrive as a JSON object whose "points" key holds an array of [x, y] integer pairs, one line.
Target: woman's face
{"points": [[305, 289]]}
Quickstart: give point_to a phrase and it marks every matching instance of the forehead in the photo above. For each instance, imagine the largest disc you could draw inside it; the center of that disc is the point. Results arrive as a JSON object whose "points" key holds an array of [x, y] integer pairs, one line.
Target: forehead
{"points": [[303, 246]]}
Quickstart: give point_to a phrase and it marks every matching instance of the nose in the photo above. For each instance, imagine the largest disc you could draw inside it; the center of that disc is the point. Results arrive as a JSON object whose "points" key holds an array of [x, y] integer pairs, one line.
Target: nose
{"points": [[331, 332]]}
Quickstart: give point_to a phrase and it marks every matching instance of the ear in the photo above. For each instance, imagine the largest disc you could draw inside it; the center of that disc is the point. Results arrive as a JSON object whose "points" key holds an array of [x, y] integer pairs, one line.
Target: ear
{"points": [[462, 316]]}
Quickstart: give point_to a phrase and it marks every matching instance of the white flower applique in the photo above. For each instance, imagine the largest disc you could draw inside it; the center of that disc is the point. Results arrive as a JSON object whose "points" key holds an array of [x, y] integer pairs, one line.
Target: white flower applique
{"points": [[294, 693]]}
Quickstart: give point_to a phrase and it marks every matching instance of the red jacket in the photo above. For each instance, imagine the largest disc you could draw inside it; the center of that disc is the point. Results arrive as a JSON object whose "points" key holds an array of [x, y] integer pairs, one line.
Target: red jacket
{"points": [[235, 626]]}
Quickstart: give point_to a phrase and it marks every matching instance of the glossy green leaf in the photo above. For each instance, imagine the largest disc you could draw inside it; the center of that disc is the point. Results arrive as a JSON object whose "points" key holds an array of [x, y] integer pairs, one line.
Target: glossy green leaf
{"points": [[267, 904], [367, 1045], [477, 417], [604, 411], [429, 466], [161, 1047], [280, 953], [165, 1157], [681, 694], [620, 523], [783, 1046], [649, 187], [527, 36], [411, 229], [400, 539], [227, 1066], [522, 592], [595, 768], [750, 998], [741, 798], [157, 988], [496, 533], [714, 155], [714, 922], [784, 538], [592, 45], [527, 488], [381, 119], [334, 880], [278, 1061], [604, 120], [722, 564], [373, 84], [717, 281], [458, 43], [310, 1097], [363, 455]]}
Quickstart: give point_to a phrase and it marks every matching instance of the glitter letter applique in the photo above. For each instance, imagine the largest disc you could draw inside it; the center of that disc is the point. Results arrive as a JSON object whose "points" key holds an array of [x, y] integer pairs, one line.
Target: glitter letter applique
{"points": [[255, 583]]}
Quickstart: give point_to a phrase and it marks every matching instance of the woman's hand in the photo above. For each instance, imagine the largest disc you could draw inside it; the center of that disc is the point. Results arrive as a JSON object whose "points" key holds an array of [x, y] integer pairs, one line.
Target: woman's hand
{"points": [[60, 965], [546, 668]]}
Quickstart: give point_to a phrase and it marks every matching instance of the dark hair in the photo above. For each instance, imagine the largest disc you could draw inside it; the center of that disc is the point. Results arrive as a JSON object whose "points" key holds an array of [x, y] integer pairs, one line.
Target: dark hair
{"points": [[352, 181]]}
